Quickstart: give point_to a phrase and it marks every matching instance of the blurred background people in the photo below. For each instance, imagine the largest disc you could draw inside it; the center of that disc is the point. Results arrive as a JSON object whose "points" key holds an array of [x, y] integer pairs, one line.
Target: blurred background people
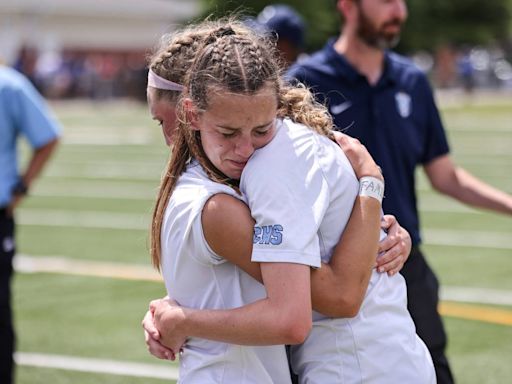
{"points": [[289, 28], [23, 112]]}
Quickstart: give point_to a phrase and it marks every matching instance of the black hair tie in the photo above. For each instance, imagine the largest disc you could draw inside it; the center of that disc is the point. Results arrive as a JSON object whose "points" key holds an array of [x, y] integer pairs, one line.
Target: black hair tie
{"points": [[221, 32]]}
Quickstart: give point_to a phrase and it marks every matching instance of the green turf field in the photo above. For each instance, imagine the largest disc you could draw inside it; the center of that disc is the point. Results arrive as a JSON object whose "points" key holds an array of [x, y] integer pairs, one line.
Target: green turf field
{"points": [[94, 204]]}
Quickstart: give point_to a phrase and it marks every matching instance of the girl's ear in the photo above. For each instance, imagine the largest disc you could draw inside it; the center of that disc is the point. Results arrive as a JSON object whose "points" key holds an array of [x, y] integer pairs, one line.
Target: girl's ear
{"points": [[191, 113]]}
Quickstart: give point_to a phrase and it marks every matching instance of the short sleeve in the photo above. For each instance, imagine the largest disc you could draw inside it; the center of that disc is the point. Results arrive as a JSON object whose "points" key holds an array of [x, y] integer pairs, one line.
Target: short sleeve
{"points": [[182, 228], [32, 116], [204, 254], [436, 143], [287, 195]]}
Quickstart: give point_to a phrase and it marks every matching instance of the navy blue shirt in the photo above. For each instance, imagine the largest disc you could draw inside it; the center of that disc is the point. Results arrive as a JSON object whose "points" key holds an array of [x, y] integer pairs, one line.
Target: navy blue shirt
{"points": [[396, 119]]}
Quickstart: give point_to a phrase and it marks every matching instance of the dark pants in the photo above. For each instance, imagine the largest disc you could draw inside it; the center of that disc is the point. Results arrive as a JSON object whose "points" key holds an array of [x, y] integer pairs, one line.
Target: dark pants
{"points": [[6, 323], [423, 298], [295, 378]]}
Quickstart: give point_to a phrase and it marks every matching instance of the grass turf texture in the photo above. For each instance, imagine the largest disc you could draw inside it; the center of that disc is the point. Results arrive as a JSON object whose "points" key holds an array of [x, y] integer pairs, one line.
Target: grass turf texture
{"points": [[103, 180], [34, 375]]}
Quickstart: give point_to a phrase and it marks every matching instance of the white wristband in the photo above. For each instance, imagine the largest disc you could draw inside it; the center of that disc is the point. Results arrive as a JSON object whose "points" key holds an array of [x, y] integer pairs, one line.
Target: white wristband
{"points": [[371, 187]]}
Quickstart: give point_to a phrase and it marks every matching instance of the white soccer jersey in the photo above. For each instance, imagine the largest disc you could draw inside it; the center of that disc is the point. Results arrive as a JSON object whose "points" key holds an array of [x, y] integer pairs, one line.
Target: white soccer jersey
{"points": [[301, 189], [196, 277]]}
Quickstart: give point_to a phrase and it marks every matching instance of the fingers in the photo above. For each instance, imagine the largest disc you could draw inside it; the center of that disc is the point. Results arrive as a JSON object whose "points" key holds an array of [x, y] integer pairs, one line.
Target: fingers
{"points": [[338, 136], [157, 349], [153, 304], [387, 221], [353, 148], [148, 324], [392, 267], [174, 344], [393, 258], [359, 157], [152, 337], [388, 242]]}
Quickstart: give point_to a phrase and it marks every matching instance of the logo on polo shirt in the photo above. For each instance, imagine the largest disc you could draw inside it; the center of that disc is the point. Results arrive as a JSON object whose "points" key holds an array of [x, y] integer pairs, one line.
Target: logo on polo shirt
{"points": [[338, 108], [8, 244], [268, 234], [403, 104]]}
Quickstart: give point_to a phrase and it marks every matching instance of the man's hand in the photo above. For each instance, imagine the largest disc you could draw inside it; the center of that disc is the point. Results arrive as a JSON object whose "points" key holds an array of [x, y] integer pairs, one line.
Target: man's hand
{"points": [[394, 250], [16, 200]]}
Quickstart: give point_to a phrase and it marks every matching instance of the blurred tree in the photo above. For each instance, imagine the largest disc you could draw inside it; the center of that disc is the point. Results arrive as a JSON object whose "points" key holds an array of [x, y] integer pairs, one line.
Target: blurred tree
{"points": [[432, 23], [319, 16], [436, 23]]}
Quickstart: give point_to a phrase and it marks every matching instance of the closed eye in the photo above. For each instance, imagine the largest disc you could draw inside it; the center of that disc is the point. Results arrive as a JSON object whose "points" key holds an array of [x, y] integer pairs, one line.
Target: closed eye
{"points": [[262, 132]]}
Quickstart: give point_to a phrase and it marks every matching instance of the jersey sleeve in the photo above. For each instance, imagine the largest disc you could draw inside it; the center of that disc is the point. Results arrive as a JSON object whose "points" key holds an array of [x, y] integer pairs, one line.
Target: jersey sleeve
{"points": [[183, 222], [436, 143], [203, 252], [287, 196], [33, 117]]}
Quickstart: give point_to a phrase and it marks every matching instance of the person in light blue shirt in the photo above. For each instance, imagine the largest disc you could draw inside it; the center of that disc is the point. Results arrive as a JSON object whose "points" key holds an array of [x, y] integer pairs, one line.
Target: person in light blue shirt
{"points": [[23, 113]]}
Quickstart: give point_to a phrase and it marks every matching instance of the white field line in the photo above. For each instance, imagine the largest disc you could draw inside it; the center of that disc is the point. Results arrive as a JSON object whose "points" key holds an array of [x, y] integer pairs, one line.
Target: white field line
{"points": [[108, 170], [441, 205], [456, 98], [85, 174], [55, 264], [120, 220], [112, 367], [476, 295], [102, 140], [84, 219], [97, 190], [465, 238]]}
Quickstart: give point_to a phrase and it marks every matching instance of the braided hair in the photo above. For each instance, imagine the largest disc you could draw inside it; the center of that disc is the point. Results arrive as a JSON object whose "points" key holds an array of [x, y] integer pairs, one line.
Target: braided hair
{"points": [[221, 56]]}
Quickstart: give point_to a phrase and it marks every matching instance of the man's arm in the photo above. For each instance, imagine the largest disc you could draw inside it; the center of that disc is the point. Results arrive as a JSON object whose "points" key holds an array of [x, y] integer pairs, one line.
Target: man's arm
{"points": [[456, 182], [38, 160]]}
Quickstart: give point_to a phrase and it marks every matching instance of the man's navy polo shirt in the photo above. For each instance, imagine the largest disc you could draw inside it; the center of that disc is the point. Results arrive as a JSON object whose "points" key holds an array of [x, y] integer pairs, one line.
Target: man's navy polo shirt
{"points": [[396, 119]]}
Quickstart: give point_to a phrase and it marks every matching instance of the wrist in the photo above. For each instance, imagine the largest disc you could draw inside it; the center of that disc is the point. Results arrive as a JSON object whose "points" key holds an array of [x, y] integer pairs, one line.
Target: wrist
{"points": [[375, 172], [182, 321], [20, 188], [371, 186]]}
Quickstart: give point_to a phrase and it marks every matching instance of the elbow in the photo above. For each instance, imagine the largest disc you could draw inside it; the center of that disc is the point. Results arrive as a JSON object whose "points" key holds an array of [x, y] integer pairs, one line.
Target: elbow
{"points": [[353, 308], [298, 333], [53, 143], [442, 188], [448, 184], [346, 306], [297, 330]]}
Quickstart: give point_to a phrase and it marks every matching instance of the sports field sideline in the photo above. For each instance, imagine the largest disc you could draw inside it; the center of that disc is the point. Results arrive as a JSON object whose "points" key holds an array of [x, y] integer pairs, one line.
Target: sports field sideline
{"points": [[84, 278]]}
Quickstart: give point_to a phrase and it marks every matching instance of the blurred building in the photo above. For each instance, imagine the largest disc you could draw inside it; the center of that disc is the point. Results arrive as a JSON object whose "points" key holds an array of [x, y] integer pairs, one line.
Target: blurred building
{"points": [[54, 41]]}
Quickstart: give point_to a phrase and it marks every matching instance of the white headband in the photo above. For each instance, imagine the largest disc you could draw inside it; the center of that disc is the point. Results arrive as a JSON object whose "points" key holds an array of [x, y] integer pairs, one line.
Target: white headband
{"points": [[158, 82]]}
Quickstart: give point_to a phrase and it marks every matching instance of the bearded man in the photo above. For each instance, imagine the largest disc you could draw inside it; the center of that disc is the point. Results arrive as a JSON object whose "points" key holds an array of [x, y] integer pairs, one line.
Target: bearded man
{"points": [[382, 99]]}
